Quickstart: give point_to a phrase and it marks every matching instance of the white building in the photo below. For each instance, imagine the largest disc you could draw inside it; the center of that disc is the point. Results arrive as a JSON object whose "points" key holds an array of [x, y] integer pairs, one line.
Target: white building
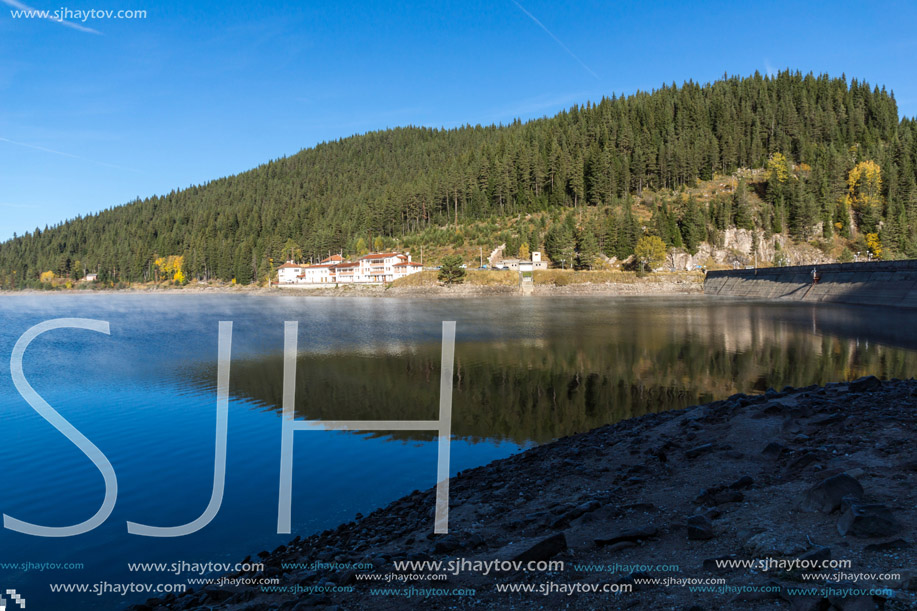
{"points": [[535, 263], [323, 273], [374, 268], [347, 272], [383, 266], [405, 268], [289, 273]]}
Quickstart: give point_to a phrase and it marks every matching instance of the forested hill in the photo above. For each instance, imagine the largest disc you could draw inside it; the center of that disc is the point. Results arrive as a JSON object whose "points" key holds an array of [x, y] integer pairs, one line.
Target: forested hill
{"points": [[814, 130]]}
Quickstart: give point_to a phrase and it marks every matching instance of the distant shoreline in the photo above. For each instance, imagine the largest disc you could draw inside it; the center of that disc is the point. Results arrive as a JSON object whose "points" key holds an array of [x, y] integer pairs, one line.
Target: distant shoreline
{"points": [[455, 291], [570, 283]]}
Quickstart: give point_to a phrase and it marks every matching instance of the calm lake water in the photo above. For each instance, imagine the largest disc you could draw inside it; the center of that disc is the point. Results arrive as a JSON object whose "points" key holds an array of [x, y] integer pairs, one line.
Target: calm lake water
{"points": [[527, 371]]}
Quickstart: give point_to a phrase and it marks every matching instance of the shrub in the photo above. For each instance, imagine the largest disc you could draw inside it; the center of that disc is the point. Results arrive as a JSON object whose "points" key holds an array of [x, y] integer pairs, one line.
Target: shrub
{"points": [[451, 270], [650, 251]]}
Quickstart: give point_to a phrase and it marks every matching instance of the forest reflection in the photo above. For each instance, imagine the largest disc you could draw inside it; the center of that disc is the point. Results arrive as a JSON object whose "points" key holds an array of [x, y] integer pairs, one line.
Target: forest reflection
{"points": [[572, 379]]}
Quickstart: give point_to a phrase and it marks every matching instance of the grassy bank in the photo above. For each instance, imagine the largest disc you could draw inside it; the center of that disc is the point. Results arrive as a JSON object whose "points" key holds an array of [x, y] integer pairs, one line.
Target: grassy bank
{"points": [[552, 277], [559, 277]]}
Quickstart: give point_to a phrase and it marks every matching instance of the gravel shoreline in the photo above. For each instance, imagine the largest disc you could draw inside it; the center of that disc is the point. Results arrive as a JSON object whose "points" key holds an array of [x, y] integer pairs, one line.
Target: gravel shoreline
{"points": [[814, 474]]}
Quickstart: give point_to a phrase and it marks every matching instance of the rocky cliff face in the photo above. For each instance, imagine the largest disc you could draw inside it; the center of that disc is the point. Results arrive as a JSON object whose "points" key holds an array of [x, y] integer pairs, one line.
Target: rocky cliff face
{"points": [[739, 247]]}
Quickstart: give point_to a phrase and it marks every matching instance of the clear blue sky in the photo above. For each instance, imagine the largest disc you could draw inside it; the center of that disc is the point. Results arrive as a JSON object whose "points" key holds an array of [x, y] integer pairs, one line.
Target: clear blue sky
{"points": [[200, 90]]}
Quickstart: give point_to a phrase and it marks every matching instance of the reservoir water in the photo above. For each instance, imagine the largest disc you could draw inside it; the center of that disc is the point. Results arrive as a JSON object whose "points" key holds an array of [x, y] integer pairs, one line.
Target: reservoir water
{"points": [[526, 371]]}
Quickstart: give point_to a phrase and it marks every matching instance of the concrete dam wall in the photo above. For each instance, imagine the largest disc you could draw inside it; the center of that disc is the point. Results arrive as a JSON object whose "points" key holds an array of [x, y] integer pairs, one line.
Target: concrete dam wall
{"points": [[884, 283]]}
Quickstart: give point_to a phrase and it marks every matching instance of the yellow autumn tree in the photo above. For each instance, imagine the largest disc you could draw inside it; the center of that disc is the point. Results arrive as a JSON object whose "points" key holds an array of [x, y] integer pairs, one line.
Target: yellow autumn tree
{"points": [[864, 194], [524, 253], [170, 268], [778, 168], [47, 276], [873, 244], [650, 251], [159, 263]]}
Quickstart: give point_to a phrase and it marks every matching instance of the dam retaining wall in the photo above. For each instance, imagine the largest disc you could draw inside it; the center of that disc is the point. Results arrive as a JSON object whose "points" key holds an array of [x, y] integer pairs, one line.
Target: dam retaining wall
{"points": [[885, 283]]}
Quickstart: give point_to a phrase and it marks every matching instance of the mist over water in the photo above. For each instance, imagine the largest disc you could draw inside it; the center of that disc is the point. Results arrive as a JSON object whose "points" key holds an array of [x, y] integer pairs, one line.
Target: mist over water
{"points": [[527, 371]]}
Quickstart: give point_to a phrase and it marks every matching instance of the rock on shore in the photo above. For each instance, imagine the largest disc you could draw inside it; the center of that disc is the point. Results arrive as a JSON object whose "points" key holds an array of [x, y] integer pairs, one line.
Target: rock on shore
{"points": [[815, 474]]}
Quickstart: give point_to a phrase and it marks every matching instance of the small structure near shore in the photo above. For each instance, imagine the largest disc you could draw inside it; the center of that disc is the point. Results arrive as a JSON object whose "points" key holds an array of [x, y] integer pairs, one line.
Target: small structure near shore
{"points": [[536, 262]]}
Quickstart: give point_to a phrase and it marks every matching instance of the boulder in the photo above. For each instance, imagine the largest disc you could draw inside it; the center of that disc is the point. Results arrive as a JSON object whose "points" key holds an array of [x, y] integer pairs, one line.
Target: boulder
{"points": [[718, 495], [817, 555], [743, 482], [700, 528], [885, 546], [826, 496], [843, 601], [446, 544], [544, 549], [773, 450], [907, 580], [865, 384], [638, 534], [868, 521], [699, 450]]}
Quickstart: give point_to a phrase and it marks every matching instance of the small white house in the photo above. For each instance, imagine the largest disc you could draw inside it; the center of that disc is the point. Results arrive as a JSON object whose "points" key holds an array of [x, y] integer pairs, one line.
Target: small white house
{"points": [[323, 273], [289, 272], [535, 263], [405, 268], [91, 277], [347, 273]]}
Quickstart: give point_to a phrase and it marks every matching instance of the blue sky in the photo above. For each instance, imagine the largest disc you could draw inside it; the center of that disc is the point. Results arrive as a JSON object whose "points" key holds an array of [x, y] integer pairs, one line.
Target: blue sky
{"points": [[201, 90]]}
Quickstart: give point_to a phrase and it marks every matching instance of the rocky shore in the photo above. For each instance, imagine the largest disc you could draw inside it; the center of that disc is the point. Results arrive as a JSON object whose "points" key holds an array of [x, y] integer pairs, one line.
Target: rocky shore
{"points": [[815, 488]]}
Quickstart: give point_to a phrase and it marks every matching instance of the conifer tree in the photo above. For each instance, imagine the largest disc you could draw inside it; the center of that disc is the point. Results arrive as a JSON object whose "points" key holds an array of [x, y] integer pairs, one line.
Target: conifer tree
{"points": [[587, 248]]}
